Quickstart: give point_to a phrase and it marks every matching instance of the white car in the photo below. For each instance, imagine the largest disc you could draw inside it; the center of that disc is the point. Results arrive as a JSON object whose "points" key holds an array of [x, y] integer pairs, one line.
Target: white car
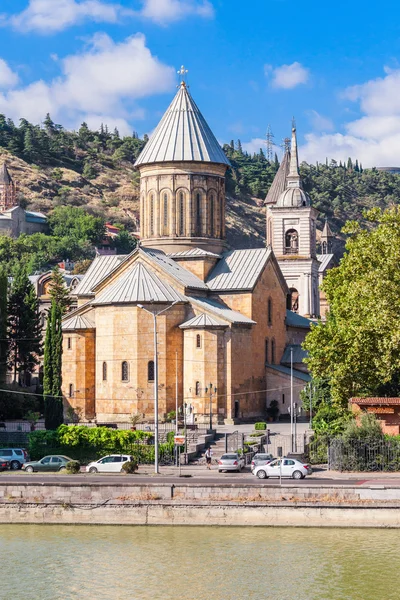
{"points": [[109, 464], [290, 467]]}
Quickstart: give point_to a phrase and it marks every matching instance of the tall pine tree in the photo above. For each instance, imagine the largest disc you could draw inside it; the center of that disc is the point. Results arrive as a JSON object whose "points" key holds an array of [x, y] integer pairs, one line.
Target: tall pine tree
{"points": [[52, 380], [58, 292], [24, 328], [3, 325]]}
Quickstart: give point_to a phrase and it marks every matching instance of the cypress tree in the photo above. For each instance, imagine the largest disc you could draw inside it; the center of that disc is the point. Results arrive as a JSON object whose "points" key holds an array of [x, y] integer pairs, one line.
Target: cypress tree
{"points": [[3, 326], [52, 380], [58, 292], [24, 328]]}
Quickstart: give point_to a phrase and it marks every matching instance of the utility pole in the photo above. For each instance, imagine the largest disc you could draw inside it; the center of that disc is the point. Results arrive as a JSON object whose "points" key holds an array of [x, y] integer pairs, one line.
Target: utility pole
{"points": [[210, 407], [311, 391], [291, 397], [176, 392], [269, 143]]}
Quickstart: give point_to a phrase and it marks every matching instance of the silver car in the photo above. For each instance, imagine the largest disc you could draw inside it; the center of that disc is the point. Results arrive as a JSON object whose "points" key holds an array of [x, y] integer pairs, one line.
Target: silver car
{"points": [[261, 459], [283, 467], [231, 461]]}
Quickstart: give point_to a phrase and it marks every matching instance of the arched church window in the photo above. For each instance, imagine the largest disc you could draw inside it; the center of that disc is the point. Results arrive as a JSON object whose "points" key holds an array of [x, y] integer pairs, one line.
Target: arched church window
{"points": [[294, 300], [198, 341], [269, 311], [324, 248], [212, 215], [181, 214], [273, 352], [125, 371], [291, 242], [198, 214], [197, 388], [165, 213], [266, 350], [152, 214], [150, 370], [104, 371]]}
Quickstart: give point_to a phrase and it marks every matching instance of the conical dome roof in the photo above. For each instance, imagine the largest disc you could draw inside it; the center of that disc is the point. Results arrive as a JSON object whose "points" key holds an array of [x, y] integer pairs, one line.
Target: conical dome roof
{"points": [[182, 135], [5, 176]]}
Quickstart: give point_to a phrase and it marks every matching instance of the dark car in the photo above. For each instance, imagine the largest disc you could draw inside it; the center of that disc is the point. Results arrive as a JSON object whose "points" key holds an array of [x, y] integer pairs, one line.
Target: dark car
{"points": [[48, 464]]}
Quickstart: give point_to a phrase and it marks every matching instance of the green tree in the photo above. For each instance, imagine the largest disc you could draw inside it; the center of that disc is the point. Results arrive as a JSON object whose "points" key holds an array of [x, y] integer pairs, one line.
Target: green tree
{"points": [[3, 325], [74, 222], [59, 292], [53, 404], [24, 328], [357, 349], [124, 242]]}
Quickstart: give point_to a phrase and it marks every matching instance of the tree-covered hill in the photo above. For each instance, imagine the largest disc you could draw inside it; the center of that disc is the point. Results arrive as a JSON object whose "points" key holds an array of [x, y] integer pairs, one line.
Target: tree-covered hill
{"points": [[94, 170]]}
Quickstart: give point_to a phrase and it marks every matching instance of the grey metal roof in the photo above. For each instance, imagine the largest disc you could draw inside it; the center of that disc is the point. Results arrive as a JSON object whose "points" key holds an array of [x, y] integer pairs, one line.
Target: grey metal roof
{"points": [[298, 354], [100, 268], [324, 259], [238, 269], [195, 252], [202, 321], [139, 284], [182, 135], [184, 276], [279, 183], [286, 371], [5, 176], [295, 320], [77, 322], [220, 310]]}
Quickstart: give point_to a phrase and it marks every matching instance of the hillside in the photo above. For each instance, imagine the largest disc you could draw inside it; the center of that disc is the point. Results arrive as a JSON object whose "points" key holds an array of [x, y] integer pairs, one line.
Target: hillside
{"points": [[94, 169]]}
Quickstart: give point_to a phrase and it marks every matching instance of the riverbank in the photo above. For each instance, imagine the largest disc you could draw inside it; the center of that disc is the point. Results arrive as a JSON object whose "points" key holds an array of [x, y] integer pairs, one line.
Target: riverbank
{"points": [[130, 503]]}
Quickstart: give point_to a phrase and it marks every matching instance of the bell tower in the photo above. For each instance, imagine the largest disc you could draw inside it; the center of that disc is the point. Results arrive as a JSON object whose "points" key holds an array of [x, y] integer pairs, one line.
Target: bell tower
{"points": [[182, 181], [291, 231], [8, 192]]}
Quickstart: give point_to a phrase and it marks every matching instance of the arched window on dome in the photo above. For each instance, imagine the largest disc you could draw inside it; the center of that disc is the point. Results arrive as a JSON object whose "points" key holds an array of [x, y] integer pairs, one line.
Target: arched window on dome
{"points": [[212, 215], [291, 242], [198, 214], [152, 214], [165, 214], [181, 213]]}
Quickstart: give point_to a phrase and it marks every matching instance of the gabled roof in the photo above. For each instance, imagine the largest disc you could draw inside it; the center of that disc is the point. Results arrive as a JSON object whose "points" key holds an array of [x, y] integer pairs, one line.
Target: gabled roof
{"points": [[326, 232], [295, 320], [279, 183], [286, 371], [220, 310], [100, 268], [298, 354], [139, 284], [238, 269], [185, 277], [202, 321], [5, 176], [182, 135], [77, 322], [194, 253], [325, 260]]}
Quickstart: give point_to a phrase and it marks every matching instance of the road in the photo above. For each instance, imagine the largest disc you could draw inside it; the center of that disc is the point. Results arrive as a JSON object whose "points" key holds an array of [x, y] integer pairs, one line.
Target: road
{"points": [[202, 478]]}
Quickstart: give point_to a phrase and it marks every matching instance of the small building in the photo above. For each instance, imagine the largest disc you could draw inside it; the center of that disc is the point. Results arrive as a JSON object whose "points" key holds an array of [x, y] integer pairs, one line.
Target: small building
{"points": [[386, 410]]}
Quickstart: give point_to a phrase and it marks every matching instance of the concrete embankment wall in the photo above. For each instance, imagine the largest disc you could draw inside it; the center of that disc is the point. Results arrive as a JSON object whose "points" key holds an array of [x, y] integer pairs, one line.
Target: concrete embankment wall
{"points": [[194, 504]]}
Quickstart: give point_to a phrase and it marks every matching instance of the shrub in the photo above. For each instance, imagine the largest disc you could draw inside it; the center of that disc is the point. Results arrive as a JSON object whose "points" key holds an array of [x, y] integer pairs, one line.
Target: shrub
{"points": [[73, 467], [257, 434], [260, 426], [130, 467]]}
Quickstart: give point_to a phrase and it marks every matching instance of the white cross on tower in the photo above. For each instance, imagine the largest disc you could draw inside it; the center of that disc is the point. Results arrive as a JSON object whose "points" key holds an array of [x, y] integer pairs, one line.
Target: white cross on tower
{"points": [[182, 72]]}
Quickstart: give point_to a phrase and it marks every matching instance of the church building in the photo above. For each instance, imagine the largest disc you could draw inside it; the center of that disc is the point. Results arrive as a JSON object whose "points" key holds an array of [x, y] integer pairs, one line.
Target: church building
{"points": [[219, 314]]}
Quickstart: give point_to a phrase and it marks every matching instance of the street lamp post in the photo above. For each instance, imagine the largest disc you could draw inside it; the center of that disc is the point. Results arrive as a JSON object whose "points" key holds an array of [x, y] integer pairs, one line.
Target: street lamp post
{"points": [[211, 412], [291, 397], [155, 315]]}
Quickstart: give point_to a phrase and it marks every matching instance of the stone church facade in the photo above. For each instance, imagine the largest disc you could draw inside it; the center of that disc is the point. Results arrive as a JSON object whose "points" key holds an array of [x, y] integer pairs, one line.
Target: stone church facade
{"points": [[222, 323]]}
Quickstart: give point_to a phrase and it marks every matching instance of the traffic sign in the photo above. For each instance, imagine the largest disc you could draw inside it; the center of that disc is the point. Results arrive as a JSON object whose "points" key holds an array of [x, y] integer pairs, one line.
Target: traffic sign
{"points": [[179, 440]]}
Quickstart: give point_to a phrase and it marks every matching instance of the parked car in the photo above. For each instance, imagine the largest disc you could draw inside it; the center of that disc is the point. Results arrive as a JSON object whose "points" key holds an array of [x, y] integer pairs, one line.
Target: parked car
{"points": [[15, 456], [290, 467], [261, 459], [48, 464], [231, 461], [4, 465], [109, 464]]}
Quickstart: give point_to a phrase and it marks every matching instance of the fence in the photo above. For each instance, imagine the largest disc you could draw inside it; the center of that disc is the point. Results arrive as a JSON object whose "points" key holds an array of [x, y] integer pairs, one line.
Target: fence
{"points": [[375, 454]]}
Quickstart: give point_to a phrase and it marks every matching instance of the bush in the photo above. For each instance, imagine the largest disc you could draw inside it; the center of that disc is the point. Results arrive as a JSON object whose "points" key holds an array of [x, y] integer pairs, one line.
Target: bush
{"points": [[130, 467], [73, 467], [257, 434], [260, 426]]}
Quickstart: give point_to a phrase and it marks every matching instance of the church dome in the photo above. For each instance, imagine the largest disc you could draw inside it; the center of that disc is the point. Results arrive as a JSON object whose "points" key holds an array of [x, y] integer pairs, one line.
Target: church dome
{"points": [[293, 198]]}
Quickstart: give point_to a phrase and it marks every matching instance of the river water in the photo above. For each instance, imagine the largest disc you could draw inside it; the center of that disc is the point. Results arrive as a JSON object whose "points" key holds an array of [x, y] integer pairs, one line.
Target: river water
{"points": [[51, 562]]}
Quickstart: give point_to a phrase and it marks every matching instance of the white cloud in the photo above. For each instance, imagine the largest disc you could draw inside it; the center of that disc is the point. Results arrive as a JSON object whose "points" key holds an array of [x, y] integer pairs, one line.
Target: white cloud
{"points": [[8, 78], [374, 139], [287, 77], [166, 11], [107, 79], [50, 16], [319, 122]]}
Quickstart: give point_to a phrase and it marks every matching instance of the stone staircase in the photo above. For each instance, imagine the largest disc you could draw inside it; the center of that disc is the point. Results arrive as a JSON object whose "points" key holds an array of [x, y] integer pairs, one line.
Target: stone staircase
{"points": [[218, 448]]}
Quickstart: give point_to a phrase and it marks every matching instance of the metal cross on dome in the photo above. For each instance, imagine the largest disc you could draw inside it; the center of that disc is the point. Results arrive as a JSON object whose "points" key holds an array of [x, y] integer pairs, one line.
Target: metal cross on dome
{"points": [[183, 72]]}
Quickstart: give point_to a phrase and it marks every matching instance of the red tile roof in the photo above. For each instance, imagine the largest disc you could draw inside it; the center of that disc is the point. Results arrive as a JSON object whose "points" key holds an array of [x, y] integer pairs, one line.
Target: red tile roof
{"points": [[375, 401]]}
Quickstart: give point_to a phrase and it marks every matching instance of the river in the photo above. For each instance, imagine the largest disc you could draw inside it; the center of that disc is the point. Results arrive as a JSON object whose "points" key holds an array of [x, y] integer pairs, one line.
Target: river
{"points": [[51, 562]]}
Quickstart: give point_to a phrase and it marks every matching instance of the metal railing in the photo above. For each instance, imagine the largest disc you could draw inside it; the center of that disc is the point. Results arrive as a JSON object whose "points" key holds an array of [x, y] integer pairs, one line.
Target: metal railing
{"points": [[374, 454]]}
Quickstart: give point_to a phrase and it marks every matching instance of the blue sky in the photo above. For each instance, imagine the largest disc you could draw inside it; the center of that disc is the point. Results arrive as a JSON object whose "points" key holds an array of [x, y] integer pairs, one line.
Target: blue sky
{"points": [[335, 67]]}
